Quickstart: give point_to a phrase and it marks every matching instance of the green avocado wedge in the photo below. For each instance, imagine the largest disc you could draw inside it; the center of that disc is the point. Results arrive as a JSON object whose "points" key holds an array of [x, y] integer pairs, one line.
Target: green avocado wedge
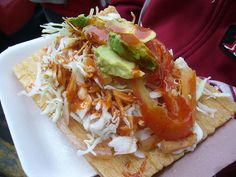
{"points": [[80, 21], [129, 47], [112, 64]]}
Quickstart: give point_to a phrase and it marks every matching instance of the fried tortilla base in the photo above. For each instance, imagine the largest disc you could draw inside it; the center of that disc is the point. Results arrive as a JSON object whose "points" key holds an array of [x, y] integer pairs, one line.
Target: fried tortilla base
{"points": [[124, 164]]}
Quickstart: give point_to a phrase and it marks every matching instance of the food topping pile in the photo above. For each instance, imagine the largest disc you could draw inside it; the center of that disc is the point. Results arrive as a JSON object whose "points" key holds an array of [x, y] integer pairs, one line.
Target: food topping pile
{"points": [[120, 83]]}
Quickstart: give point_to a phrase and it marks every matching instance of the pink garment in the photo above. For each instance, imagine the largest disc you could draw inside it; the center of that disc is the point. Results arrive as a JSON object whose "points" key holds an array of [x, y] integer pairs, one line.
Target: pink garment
{"points": [[14, 14]]}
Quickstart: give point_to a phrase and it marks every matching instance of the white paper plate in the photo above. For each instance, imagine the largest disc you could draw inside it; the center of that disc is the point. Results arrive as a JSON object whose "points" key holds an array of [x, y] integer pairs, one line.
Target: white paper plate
{"points": [[45, 152]]}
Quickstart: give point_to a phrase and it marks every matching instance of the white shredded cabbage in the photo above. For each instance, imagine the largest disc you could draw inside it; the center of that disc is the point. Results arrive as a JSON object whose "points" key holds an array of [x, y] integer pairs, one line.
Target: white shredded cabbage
{"points": [[78, 71], [200, 87], [78, 66], [51, 27], [155, 94], [215, 94], [133, 110], [109, 17], [66, 42], [86, 121], [206, 110], [66, 113], [98, 106], [198, 131], [143, 134], [91, 144], [98, 126], [54, 105], [97, 10], [202, 90], [110, 87], [98, 82], [180, 63], [91, 12], [130, 111], [75, 117], [82, 112], [171, 52], [101, 127], [123, 144], [139, 154], [106, 120], [126, 122]]}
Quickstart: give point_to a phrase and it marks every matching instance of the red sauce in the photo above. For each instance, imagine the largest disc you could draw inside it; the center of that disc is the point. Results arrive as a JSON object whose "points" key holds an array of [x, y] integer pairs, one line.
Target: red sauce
{"points": [[96, 35], [63, 76], [130, 39], [163, 75], [141, 33], [71, 89], [143, 166], [75, 104], [138, 173], [116, 27]]}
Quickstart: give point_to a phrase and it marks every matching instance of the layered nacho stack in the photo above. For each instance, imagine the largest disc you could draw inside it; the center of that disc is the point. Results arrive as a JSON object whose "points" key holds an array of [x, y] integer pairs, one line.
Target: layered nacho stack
{"points": [[119, 96]]}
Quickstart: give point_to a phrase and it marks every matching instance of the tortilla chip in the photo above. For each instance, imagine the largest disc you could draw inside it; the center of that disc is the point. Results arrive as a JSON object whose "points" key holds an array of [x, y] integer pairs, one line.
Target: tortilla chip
{"points": [[122, 165]]}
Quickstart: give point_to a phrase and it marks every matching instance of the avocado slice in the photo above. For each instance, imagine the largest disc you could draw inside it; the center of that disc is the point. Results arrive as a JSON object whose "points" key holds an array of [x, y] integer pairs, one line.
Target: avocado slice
{"points": [[130, 48], [80, 21], [112, 64]]}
